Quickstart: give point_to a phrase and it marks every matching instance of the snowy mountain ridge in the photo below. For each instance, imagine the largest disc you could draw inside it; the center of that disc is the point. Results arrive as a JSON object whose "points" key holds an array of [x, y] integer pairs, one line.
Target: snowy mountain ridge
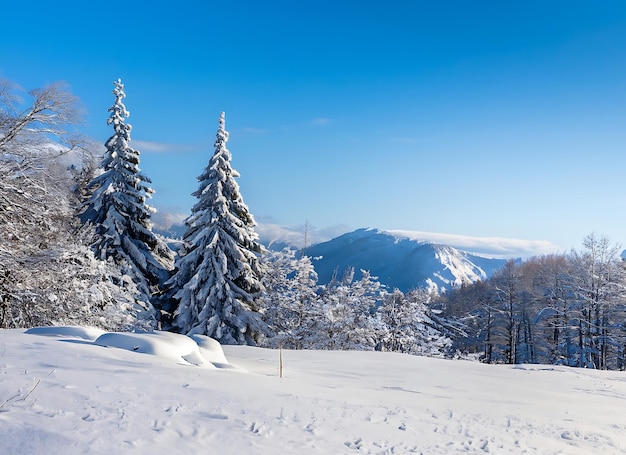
{"points": [[400, 261], [403, 259]]}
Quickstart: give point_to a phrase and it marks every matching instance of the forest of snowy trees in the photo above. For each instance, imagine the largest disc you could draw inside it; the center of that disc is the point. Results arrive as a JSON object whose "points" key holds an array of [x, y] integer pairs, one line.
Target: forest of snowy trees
{"points": [[78, 248], [567, 309]]}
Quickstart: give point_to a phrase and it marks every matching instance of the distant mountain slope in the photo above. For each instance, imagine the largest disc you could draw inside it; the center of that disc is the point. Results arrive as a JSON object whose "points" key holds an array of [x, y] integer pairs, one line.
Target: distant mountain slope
{"points": [[400, 262]]}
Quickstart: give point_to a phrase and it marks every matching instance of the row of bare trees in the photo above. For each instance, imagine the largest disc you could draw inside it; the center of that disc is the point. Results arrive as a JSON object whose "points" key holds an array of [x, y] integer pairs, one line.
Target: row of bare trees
{"points": [[565, 309]]}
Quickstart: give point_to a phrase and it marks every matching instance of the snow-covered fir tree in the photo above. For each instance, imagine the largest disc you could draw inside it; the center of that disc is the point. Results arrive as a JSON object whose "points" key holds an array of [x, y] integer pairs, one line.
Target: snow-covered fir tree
{"points": [[409, 325], [349, 308], [48, 273], [218, 274], [66, 285], [291, 305], [349, 312], [116, 205]]}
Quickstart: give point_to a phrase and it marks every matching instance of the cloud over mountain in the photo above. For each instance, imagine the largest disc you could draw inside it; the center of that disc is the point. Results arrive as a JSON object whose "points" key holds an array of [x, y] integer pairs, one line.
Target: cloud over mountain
{"points": [[399, 261], [496, 247]]}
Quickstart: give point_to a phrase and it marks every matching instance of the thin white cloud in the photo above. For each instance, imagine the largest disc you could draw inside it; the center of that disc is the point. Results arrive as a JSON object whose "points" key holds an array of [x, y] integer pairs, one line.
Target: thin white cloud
{"points": [[160, 147], [493, 247], [148, 146], [165, 219], [497, 247], [321, 121], [253, 130], [297, 236]]}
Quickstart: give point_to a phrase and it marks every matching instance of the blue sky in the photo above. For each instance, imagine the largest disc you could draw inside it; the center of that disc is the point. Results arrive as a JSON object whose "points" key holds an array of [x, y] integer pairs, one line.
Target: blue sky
{"points": [[482, 118]]}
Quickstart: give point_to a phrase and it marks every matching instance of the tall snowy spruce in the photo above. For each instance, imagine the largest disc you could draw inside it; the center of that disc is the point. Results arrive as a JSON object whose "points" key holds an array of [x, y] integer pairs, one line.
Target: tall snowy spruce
{"points": [[116, 206], [218, 274]]}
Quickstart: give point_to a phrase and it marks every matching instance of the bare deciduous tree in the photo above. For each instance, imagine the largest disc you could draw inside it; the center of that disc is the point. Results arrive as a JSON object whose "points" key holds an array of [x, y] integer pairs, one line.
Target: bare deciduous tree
{"points": [[33, 134], [51, 112], [47, 274]]}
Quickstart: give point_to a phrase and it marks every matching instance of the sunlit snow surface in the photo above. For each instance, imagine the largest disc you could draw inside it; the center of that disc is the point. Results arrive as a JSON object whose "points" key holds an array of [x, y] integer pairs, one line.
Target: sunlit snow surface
{"points": [[61, 392]]}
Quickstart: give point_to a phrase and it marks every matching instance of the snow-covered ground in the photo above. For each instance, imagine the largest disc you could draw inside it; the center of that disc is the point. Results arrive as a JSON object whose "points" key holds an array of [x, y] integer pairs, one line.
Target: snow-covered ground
{"points": [[62, 392]]}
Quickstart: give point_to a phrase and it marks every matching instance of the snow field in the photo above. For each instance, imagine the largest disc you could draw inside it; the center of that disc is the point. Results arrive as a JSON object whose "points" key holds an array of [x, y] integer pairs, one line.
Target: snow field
{"points": [[66, 393]]}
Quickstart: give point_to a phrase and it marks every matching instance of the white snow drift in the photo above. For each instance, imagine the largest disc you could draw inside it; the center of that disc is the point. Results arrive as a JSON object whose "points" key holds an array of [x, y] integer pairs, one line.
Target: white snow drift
{"points": [[67, 393]]}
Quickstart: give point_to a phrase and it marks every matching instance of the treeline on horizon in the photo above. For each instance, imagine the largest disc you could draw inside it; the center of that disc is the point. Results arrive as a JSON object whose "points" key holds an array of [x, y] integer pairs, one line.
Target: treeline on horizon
{"points": [[560, 309], [78, 249]]}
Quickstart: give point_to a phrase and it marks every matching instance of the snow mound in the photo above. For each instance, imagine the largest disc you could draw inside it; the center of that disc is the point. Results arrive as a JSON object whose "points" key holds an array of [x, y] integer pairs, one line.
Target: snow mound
{"points": [[211, 350], [84, 333], [59, 397], [198, 350], [167, 345]]}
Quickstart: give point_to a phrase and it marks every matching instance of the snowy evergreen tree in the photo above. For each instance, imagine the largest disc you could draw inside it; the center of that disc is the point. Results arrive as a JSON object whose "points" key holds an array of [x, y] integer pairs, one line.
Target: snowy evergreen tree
{"points": [[218, 274], [65, 284], [364, 296], [410, 326], [48, 274], [349, 312], [291, 305], [116, 206]]}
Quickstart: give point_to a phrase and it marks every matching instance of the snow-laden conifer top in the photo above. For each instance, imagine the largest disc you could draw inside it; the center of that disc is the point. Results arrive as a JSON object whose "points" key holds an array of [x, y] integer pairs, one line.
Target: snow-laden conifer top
{"points": [[116, 206], [218, 276]]}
